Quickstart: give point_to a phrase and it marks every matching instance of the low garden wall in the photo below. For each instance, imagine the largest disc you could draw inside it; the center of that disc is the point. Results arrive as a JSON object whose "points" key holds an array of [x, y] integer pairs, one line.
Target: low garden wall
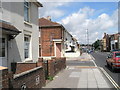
{"points": [[33, 78], [30, 75], [53, 66]]}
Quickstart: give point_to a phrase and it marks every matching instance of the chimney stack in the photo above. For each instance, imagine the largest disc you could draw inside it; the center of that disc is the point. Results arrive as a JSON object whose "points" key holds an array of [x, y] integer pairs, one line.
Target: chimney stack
{"points": [[48, 18], [104, 34]]}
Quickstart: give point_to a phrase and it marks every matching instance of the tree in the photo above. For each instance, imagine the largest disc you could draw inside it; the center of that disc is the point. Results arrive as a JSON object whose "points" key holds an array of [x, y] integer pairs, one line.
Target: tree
{"points": [[96, 44]]}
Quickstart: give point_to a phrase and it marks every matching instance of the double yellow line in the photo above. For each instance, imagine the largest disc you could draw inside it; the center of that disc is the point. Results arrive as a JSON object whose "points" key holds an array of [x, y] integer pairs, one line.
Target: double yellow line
{"points": [[110, 78]]}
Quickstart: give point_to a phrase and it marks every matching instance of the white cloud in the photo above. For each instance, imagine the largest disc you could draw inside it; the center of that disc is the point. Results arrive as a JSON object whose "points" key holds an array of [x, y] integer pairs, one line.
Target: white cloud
{"points": [[52, 9], [56, 0], [78, 22], [79, 0]]}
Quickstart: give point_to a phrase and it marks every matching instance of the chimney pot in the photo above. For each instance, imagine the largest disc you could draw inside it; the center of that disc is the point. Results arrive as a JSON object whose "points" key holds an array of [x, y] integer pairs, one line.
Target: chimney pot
{"points": [[48, 18]]}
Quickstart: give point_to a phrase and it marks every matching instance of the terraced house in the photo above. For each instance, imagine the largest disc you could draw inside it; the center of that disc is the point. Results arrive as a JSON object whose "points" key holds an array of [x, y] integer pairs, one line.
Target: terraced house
{"points": [[19, 44], [19, 26]]}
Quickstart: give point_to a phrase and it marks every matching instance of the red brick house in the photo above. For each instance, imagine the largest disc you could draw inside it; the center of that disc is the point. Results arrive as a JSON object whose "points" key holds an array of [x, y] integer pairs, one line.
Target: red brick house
{"points": [[56, 41], [51, 38]]}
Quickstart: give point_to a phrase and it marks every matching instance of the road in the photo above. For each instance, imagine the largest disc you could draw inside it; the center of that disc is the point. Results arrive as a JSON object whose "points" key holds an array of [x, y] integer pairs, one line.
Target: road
{"points": [[100, 60]]}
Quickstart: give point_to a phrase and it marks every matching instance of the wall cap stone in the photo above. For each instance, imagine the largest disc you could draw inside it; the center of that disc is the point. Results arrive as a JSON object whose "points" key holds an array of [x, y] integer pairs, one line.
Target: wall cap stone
{"points": [[26, 72], [25, 62]]}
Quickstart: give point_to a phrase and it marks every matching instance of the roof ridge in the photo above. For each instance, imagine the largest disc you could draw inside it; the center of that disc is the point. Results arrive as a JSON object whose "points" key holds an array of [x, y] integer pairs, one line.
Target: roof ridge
{"points": [[50, 20], [45, 22]]}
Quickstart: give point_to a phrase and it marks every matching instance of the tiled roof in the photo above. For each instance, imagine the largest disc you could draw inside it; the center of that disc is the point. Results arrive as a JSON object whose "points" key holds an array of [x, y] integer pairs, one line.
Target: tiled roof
{"points": [[45, 22], [8, 27]]}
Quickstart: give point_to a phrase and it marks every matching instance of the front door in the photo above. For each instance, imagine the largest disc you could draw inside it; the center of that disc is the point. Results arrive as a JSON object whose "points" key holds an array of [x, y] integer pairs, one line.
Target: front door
{"points": [[3, 51], [58, 49]]}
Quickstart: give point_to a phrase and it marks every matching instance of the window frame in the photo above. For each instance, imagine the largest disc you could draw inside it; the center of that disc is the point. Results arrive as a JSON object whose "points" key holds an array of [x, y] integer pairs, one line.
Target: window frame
{"points": [[3, 56], [28, 12], [29, 47]]}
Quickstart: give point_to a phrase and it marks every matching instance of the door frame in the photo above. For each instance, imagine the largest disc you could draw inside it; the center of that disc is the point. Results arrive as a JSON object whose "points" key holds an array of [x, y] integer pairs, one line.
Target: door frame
{"points": [[56, 48]]}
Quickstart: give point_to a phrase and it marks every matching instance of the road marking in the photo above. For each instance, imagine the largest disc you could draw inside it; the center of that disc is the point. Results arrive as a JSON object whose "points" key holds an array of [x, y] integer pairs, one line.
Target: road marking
{"points": [[107, 75], [92, 57], [110, 78], [94, 63], [85, 67]]}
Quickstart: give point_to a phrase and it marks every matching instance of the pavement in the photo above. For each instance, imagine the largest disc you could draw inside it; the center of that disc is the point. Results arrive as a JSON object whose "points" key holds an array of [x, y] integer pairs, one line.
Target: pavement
{"points": [[81, 73], [83, 57]]}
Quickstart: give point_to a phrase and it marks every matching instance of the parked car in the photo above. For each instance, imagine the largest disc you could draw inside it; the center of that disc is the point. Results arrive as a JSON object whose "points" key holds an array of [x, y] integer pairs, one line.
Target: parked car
{"points": [[113, 60], [114, 50]]}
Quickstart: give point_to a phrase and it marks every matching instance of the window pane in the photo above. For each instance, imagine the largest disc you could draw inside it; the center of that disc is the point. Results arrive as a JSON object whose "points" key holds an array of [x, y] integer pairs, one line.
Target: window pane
{"points": [[26, 53], [26, 46], [117, 55], [2, 47], [26, 11], [26, 14]]}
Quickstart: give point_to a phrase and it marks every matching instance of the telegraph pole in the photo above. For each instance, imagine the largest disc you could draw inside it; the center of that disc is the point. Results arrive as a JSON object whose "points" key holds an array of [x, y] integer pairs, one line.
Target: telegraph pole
{"points": [[87, 39]]}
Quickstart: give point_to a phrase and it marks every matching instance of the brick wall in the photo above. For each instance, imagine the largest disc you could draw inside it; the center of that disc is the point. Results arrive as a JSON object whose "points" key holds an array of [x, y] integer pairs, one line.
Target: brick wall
{"points": [[21, 67], [32, 79], [4, 78], [47, 34], [52, 67]]}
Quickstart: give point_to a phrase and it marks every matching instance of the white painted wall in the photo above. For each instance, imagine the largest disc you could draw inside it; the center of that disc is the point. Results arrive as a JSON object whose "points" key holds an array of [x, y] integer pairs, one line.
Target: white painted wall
{"points": [[113, 42], [69, 42], [13, 12]]}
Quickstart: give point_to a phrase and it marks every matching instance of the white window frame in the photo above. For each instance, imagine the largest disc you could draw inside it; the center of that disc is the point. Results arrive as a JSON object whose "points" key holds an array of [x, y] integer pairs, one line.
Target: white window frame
{"points": [[28, 7], [29, 48]]}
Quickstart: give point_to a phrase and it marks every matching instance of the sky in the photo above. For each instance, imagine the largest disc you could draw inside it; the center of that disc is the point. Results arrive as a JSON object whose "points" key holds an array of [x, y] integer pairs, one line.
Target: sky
{"points": [[78, 17]]}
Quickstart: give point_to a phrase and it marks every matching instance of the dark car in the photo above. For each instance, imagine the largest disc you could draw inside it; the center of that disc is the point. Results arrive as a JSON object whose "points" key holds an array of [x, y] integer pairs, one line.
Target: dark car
{"points": [[113, 60], [114, 50]]}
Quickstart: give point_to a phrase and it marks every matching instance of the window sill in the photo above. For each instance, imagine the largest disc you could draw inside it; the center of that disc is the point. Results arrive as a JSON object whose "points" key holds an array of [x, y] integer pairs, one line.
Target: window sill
{"points": [[27, 23], [28, 60]]}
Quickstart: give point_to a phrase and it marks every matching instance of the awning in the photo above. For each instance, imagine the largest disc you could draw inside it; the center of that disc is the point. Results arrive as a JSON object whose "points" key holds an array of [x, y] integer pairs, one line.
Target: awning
{"points": [[8, 28]]}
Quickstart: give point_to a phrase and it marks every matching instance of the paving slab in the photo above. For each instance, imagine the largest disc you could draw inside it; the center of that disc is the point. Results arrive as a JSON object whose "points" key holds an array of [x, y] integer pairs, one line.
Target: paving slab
{"points": [[82, 74], [79, 78]]}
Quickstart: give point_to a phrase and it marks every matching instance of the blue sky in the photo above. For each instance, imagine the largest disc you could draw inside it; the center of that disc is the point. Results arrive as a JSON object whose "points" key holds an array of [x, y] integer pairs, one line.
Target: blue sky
{"points": [[100, 7], [76, 17]]}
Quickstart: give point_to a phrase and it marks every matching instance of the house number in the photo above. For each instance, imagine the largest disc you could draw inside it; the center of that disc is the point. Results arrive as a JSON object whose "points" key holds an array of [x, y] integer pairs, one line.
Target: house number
{"points": [[37, 80]]}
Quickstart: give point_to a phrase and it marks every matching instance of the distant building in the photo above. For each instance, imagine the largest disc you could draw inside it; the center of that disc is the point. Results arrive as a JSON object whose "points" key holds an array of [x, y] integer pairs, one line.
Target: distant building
{"points": [[105, 43], [110, 42], [114, 40]]}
